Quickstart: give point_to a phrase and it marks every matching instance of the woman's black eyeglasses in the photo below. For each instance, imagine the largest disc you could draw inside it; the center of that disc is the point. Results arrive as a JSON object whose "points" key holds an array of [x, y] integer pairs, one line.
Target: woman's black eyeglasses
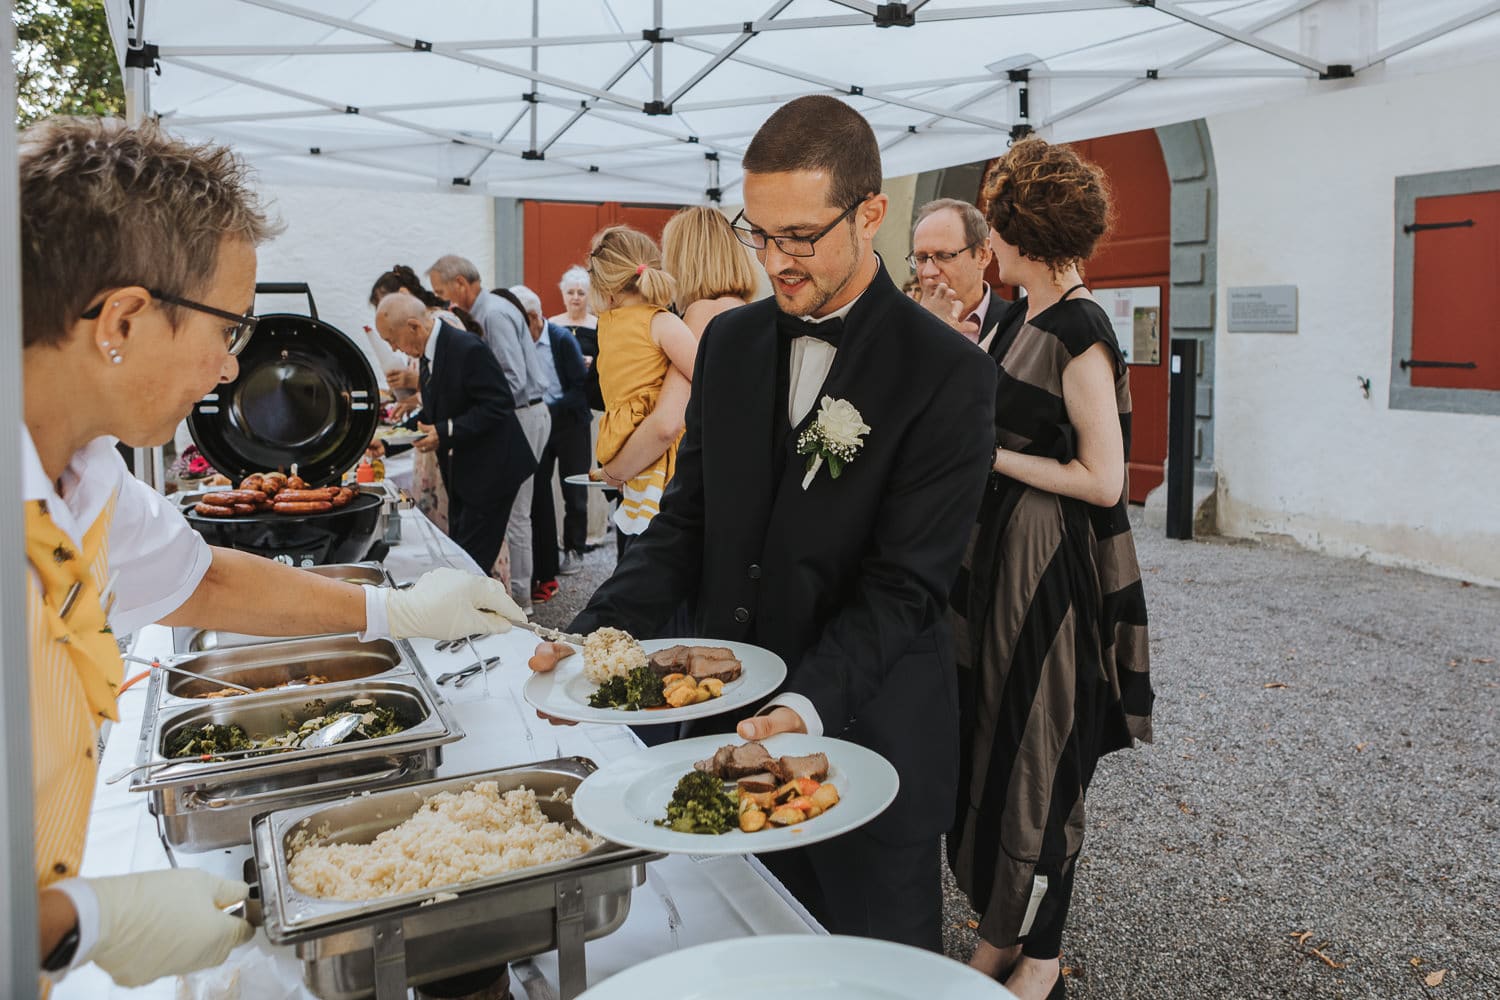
{"points": [[235, 337], [792, 246]]}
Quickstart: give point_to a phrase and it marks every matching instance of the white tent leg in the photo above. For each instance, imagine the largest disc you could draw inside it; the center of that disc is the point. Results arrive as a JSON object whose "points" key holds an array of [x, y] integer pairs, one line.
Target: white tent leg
{"points": [[18, 917]]}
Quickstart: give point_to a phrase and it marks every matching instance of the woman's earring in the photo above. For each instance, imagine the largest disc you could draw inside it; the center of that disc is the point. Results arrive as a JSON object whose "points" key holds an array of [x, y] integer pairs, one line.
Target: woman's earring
{"points": [[114, 355]]}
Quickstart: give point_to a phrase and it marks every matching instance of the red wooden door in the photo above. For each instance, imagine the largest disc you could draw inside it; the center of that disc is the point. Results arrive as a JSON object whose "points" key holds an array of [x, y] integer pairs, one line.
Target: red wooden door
{"points": [[1455, 299], [558, 234], [1138, 253]]}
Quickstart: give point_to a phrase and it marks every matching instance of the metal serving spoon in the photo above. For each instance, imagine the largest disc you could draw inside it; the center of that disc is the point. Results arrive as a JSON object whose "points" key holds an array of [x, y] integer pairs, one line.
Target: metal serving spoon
{"points": [[324, 736], [158, 665]]}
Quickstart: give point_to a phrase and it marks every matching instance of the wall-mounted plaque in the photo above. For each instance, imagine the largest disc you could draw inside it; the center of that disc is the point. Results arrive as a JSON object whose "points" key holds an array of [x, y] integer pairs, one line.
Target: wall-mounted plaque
{"points": [[1135, 313], [1263, 309]]}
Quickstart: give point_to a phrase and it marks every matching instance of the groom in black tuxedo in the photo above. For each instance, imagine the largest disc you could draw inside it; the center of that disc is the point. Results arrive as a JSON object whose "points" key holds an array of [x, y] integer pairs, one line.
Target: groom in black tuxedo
{"points": [[846, 578]]}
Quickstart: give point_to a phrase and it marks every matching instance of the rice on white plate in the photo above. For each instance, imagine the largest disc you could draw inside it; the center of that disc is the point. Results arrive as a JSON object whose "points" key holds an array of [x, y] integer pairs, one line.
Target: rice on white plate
{"points": [[611, 652], [454, 838]]}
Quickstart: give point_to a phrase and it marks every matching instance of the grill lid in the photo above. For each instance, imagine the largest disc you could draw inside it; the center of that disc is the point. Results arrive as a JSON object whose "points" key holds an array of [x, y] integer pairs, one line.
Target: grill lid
{"points": [[305, 394]]}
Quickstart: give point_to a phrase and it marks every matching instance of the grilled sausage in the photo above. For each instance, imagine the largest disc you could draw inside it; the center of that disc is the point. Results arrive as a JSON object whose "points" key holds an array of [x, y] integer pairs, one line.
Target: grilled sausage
{"points": [[302, 506], [210, 510], [296, 483], [254, 481], [222, 497], [344, 495], [243, 508], [290, 495]]}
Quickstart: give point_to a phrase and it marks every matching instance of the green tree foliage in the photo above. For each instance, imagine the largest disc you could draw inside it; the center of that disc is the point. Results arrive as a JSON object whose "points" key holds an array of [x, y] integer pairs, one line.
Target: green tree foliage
{"points": [[65, 64]]}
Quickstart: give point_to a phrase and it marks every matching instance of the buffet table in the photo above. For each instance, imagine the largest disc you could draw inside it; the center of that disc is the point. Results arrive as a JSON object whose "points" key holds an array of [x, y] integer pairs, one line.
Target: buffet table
{"points": [[685, 901]]}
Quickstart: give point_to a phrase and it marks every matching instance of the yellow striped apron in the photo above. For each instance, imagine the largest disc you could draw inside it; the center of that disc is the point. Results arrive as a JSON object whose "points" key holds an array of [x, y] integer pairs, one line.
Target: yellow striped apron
{"points": [[76, 672]]}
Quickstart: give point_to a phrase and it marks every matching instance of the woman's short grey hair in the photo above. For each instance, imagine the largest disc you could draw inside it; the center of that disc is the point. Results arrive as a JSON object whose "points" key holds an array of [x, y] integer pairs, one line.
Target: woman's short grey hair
{"points": [[574, 275], [107, 205]]}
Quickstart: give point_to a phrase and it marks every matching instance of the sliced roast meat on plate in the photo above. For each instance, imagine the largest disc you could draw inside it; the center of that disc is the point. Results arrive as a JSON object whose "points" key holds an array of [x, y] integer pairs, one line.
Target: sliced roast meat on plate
{"points": [[813, 765], [765, 781], [702, 667], [699, 662], [737, 761]]}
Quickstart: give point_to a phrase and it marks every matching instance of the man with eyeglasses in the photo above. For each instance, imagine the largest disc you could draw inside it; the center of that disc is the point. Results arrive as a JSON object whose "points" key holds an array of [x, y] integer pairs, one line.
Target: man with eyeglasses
{"points": [[950, 250], [842, 568]]}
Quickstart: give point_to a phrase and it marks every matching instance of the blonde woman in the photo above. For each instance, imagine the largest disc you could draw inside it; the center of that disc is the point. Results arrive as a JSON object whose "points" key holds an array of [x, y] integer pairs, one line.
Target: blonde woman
{"points": [[645, 373], [712, 271]]}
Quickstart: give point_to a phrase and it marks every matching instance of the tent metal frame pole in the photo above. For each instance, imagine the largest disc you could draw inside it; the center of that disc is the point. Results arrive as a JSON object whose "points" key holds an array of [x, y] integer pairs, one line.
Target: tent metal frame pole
{"points": [[150, 465], [855, 90], [1291, 10], [446, 50], [1447, 27], [656, 52], [985, 94], [1246, 38], [619, 75], [18, 900], [536, 27], [722, 55]]}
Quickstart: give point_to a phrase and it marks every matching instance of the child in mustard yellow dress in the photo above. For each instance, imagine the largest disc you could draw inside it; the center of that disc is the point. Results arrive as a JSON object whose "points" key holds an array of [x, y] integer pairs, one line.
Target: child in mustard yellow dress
{"points": [[645, 373]]}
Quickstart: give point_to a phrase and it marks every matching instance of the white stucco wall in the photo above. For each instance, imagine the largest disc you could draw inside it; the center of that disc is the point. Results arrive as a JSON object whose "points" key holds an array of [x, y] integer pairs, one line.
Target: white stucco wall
{"points": [[1306, 196], [340, 240]]}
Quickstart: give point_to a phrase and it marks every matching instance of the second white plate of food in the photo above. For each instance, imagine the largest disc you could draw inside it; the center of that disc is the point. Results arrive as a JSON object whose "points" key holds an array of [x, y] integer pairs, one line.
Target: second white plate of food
{"points": [[799, 967], [624, 800], [582, 479], [564, 692], [398, 436]]}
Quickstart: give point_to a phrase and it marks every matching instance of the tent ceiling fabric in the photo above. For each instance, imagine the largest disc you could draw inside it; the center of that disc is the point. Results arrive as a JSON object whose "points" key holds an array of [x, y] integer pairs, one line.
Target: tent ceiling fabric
{"points": [[550, 99]]}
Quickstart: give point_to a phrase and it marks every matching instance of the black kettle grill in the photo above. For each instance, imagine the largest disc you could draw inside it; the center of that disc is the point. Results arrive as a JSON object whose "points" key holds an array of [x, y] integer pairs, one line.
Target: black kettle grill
{"points": [[305, 396]]}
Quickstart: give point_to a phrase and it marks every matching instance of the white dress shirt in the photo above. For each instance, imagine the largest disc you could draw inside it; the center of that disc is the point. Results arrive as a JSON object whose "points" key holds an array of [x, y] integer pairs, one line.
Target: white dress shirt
{"points": [[811, 360]]}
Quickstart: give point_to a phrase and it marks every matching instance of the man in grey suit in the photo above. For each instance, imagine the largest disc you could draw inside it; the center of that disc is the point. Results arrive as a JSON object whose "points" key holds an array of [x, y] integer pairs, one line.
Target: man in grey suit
{"points": [[508, 337]]}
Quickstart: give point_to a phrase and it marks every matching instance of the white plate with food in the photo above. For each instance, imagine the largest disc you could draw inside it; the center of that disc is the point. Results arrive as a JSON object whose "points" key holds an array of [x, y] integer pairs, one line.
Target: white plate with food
{"points": [[613, 671], [801, 967], [582, 479], [398, 436], [697, 796]]}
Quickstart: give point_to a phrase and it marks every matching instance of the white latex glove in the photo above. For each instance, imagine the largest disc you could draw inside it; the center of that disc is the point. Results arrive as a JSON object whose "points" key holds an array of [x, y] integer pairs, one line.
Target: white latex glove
{"points": [[163, 923], [450, 604]]}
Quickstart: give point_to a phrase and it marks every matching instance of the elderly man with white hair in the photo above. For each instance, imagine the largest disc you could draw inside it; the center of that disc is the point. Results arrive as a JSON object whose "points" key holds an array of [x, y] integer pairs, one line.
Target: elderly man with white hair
{"points": [[564, 375], [507, 335]]}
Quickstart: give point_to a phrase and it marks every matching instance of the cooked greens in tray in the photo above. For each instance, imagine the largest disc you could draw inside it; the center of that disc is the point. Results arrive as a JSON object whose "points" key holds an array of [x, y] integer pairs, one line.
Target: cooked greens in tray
{"points": [[214, 738]]}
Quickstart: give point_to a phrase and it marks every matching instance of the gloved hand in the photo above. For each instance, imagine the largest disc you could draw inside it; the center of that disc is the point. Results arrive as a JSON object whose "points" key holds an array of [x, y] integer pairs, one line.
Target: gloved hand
{"points": [[163, 923], [450, 604]]}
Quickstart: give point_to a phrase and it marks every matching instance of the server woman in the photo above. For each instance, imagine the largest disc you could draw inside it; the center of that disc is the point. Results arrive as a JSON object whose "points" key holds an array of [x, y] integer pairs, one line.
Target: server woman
{"points": [[137, 274]]}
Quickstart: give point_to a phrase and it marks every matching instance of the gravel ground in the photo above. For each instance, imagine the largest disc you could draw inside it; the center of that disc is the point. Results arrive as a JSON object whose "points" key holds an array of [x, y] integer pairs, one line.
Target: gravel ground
{"points": [[1317, 816]]}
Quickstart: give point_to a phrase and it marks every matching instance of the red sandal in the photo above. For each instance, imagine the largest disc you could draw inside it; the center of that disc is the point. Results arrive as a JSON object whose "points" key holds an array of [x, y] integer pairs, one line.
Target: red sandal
{"points": [[544, 592]]}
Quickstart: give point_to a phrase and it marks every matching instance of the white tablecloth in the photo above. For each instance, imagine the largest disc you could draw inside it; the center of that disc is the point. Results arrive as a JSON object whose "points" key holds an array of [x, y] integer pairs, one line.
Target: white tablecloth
{"points": [[685, 901]]}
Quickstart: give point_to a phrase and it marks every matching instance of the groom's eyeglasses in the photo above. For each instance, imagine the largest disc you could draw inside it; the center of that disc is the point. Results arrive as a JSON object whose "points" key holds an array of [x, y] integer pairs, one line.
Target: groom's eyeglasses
{"points": [[792, 246]]}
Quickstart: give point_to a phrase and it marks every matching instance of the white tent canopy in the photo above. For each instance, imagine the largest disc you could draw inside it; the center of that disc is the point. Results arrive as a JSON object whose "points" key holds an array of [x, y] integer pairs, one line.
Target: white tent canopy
{"points": [[645, 100]]}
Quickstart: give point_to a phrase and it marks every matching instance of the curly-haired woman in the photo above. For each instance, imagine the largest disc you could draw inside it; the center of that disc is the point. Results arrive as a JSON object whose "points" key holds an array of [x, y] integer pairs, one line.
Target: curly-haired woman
{"points": [[1049, 609]]}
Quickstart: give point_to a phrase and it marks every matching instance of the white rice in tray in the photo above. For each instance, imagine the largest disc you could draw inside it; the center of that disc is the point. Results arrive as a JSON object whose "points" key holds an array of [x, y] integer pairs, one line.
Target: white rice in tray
{"points": [[454, 838], [610, 652]]}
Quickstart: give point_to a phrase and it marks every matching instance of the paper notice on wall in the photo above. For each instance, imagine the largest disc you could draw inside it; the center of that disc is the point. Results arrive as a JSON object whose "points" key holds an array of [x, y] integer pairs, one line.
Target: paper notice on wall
{"points": [[1135, 314]]}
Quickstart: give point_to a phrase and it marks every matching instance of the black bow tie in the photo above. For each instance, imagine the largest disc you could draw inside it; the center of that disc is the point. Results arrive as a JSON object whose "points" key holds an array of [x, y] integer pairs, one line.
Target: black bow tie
{"points": [[829, 331]]}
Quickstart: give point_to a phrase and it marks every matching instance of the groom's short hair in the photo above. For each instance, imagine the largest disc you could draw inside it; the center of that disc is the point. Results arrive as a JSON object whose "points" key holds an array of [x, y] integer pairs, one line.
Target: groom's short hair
{"points": [[819, 132]]}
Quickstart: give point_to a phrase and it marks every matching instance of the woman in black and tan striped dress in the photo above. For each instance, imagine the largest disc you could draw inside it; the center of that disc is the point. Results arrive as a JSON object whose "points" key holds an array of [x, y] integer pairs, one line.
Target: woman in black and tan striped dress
{"points": [[1049, 608]]}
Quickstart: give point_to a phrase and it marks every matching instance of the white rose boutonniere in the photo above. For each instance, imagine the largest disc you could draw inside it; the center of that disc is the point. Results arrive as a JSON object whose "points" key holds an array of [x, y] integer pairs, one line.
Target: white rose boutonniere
{"points": [[834, 437]]}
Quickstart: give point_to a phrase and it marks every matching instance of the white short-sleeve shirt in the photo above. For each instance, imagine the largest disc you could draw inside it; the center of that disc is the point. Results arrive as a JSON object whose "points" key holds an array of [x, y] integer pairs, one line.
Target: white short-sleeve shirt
{"points": [[157, 560]]}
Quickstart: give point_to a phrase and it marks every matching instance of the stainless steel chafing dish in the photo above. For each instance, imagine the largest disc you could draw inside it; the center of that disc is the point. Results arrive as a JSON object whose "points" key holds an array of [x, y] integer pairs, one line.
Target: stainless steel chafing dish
{"points": [[337, 658], [378, 948], [198, 640], [202, 806]]}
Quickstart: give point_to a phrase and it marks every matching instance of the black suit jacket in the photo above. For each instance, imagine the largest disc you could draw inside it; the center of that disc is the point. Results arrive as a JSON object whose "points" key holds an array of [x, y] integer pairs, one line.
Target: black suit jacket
{"points": [[847, 580], [482, 451]]}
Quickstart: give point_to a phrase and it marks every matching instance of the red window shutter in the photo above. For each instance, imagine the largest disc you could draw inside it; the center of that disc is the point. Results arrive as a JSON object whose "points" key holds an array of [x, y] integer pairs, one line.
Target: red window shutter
{"points": [[1455, 292]]}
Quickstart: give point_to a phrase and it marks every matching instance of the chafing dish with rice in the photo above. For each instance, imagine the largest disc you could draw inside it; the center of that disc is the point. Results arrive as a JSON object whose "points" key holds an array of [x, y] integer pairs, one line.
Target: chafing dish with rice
{"points": [[378, 947]]}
